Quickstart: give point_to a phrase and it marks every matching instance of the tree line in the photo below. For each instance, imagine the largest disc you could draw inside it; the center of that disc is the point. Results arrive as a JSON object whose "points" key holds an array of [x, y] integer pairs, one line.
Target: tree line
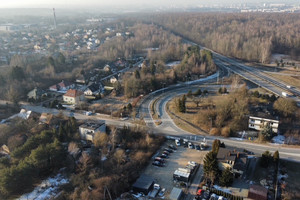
{"points": [[251, 36]]}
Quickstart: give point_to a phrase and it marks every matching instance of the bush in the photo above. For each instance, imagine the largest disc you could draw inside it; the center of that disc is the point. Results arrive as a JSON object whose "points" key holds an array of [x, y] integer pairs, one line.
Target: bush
{"points": [[214, 131], [225, 132]]}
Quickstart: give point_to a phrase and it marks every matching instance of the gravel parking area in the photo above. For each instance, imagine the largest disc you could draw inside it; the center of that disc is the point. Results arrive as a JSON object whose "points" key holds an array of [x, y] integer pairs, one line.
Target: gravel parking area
{"points": [[180, 158]]}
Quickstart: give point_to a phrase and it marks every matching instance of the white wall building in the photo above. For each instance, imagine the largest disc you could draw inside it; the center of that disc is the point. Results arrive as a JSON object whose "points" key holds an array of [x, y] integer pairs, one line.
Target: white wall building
{"points": [[87, 131], [259, 123]]}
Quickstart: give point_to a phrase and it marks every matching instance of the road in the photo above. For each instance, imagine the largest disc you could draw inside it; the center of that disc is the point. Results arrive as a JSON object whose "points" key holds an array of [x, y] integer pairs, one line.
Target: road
{"points": [[168, 127]]}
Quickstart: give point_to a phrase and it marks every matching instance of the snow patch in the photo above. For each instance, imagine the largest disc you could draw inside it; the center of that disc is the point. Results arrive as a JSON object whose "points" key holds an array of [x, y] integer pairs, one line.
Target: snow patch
{"points": [[47, 189], [279, 139], [222, 189]]}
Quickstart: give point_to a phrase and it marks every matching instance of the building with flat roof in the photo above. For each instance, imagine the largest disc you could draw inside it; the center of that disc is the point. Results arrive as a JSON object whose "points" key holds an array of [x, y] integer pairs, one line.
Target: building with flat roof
{"points": [[89, 129], [143, 184], [258, 123]]}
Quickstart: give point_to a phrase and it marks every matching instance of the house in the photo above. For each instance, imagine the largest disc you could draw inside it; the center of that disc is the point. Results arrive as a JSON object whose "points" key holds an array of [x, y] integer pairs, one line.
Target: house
{"points": [[46, 118], [87, 130], [73, 96], [36, 94], [92, 90], [258, 123], [106, 68], [236, 161], [113, 79], [63, 85], [257, 192]]}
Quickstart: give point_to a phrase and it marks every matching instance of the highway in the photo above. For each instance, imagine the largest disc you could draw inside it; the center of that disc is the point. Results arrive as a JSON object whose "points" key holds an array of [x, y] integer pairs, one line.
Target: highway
{"points": [[168, 127]]}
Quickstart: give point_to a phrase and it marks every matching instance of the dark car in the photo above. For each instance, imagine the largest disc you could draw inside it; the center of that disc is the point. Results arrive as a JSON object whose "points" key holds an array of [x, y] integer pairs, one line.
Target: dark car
{"points": [[197, 147], [164, 155], [157, 163], [168, 150], [172, 147]]}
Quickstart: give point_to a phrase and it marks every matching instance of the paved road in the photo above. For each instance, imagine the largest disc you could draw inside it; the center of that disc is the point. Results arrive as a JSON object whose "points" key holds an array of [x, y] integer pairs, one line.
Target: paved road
{"points": [[169, 128]]}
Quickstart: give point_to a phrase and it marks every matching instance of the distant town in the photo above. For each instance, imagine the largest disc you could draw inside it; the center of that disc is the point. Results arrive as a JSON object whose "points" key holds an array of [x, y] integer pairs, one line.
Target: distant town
{"points": [[154, 105]]}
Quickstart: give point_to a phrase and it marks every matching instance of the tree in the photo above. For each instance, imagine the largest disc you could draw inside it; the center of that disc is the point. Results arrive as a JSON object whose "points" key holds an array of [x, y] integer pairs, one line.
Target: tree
{"points": [[198, 92], [226, 178], [266, 158], [119, 156], [276, 157], [101, 139], [17, 73], [285, 106], [137, 74], [215, 146], [267, 132], [61, 59], [189, 94], [210, 166]]}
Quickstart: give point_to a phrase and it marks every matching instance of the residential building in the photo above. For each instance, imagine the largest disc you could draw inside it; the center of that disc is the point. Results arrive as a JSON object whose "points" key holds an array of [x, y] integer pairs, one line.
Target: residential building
{"points": [[73, 96], [257, 192], [92, 90], [113, 79], [63, 85], [236, 161], [258, 123], [88, 130], [36, 94]]}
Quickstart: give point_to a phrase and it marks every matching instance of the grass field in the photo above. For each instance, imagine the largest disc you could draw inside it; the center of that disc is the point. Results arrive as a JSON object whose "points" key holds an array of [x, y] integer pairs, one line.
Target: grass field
{"points": [[289, 80]]}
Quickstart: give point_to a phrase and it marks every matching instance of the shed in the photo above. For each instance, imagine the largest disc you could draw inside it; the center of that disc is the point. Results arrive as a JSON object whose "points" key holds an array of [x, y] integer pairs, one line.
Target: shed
{"points": [[175, 194], [143, 184], [258, 192]]}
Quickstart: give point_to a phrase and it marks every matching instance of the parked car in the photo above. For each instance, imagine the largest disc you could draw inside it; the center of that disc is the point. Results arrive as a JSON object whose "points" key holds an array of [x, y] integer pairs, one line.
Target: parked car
{"points": [[191, 145], [172, 147], [162, 192], [168, 150], [197, 147], [164, 156], [177, 142], [214, 197], [157, 163], [205, 195], [159, 159]]}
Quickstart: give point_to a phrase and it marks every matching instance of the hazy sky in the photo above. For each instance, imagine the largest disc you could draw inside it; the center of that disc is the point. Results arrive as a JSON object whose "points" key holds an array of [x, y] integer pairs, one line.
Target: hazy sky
{"points": [[87, 3]]}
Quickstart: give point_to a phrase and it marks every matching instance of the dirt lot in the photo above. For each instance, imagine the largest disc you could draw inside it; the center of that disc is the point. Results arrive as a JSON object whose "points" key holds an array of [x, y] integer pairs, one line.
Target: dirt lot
{"points": [[180, 158]]}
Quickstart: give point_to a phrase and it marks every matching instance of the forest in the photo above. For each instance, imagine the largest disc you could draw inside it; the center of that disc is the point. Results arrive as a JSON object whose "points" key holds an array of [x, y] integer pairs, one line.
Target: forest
{"points": [[252, 36]]}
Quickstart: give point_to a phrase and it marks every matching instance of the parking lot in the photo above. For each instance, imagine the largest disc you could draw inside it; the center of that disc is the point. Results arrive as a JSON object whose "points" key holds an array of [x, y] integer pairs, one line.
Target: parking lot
{"points": [[179, 159]]}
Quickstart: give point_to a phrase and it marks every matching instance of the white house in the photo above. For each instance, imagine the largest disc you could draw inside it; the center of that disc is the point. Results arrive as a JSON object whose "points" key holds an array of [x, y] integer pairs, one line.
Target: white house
{"points": [[258, 123], [93, 89], [88, 130], [113, 79], [73, 96]]}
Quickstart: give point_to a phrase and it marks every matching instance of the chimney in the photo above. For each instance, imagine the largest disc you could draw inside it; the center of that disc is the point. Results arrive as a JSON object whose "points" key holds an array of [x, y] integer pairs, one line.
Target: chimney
{"points": [[55, 25]]}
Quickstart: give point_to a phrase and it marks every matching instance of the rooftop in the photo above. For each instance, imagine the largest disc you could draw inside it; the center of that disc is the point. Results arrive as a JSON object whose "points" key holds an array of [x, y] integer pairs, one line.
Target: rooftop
{"points": [[73, 93]]}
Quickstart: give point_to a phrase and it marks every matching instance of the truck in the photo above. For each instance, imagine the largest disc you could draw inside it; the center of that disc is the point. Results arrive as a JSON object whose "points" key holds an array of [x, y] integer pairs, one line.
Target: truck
{"points": [[284, 94], [154, 192]]}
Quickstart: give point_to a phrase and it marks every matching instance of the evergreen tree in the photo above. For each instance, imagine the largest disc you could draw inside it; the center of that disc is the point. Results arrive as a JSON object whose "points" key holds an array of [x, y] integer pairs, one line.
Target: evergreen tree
{"points": [[227, 178], [276, 156], [215, 146], [198, 92], [266, 158], [210, 166], [137, 74]]}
